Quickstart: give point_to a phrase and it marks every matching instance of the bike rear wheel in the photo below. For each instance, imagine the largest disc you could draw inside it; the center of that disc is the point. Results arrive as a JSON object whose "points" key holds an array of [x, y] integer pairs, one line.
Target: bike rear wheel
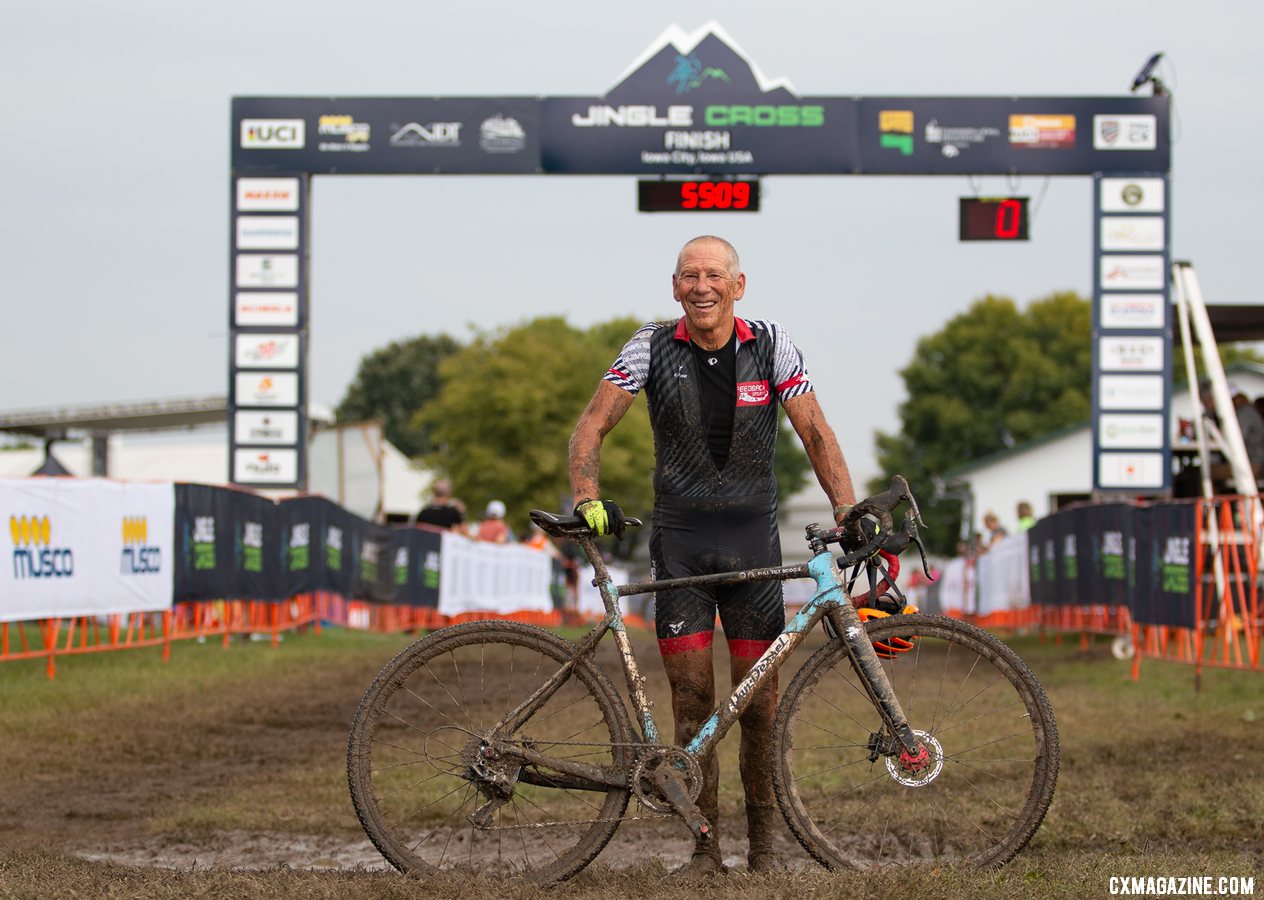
{"points": [[988, 728], [417, 770]]}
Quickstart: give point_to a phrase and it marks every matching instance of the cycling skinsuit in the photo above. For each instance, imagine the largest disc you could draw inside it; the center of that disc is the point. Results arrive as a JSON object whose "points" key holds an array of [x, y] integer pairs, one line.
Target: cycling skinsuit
{"points": [[714, 512]]}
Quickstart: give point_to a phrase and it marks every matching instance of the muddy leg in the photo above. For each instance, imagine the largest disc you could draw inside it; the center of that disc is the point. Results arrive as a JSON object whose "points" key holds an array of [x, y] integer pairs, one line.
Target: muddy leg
{"points": [[763, 819], [692, 681]]}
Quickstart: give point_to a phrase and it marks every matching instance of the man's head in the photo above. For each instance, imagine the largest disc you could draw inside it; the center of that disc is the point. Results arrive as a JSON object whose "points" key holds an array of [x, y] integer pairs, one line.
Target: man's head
{"points": [[707, 282], [442, 489], [495, 510]]}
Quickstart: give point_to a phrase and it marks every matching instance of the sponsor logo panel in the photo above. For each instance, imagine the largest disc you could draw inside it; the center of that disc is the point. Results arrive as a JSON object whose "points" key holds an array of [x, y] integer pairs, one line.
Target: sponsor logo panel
{"points": [[267, 232], [342, 134], [273, 134], [267, 351], [271, 389], [419, 135], [1132, 233], [1133, 311], [953, 139], [279, 308], [1125, 132], [895, 130], [1130, 391], [501, 134], [1042, 132], [753, 393], [1130, 354], [267, 270], [1117, 431], [1142, 195], [265, 466], [279, 427], [1133, 273], [1130, 470], [267, 194]]}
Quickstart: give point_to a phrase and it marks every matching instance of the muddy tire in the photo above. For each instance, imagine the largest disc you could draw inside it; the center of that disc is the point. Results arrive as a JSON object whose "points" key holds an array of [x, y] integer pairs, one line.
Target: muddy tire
{"points": [[411, 745], [976, 707]]}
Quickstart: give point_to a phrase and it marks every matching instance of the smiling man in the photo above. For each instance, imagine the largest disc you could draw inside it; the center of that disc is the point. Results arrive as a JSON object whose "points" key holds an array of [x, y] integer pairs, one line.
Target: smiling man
{"points": [[713, 382]]}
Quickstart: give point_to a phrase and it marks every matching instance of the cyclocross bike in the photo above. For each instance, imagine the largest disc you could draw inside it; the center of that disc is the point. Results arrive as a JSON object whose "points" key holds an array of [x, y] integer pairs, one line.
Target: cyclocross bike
{"points": [[501, 747]]}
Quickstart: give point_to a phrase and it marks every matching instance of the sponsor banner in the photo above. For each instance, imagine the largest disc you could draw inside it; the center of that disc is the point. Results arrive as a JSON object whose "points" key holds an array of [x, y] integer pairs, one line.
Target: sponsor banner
{"points": [[267, 194], [270, 389], [271, 466], [255, 309], [85, 547], [1130, 471], [1133, 273], [1139, 195], [1165, 557], [1108, 530], [267, 270], [1130, 391], [1132, 311], [267, 232], [205, 551], [981, 135], [1125, 132], [1118, 431], [273, 134], [272, 428], [1132, 233], [1042, 563], [494, 578], [267, 350], [401, 135], [1130, 354]]}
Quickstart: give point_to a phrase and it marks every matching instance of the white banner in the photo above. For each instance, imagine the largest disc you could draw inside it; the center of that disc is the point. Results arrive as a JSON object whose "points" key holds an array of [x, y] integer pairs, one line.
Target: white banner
{"points": [[590, 602], [84, 547], [1002, 574], [476, 576], [956, 587]]}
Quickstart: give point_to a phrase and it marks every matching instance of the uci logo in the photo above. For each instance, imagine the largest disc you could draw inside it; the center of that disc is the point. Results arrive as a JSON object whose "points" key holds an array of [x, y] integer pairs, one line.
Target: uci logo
{"points": [[137, 558], [33, 553], [273, 134]]}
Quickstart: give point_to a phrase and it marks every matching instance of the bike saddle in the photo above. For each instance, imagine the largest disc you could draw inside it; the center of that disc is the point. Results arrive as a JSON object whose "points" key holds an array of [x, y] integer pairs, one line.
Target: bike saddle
{"points": [[567, 526]]}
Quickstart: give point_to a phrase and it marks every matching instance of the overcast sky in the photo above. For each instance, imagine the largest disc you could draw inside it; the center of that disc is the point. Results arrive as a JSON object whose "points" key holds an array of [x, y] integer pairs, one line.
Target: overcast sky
{"points": [[115, 142]]}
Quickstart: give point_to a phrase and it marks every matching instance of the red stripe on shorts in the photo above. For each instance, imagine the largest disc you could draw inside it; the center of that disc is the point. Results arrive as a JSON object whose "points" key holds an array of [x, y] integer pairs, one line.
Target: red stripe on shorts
{"points": [[699, 641], [748, 649]]}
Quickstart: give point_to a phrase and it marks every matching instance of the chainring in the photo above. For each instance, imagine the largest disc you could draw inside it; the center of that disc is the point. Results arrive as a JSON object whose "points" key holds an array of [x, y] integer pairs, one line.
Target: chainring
{"points": [[652, 761]]}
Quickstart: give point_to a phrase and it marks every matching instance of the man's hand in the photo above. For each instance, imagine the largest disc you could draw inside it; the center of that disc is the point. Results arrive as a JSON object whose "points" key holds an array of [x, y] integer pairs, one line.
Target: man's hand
{"points": [[602, 516]]}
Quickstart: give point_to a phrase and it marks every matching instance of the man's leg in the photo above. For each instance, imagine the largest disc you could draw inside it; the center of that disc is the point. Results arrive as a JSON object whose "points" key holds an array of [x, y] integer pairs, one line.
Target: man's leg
{"points": [[692, 677], [763, 819]]}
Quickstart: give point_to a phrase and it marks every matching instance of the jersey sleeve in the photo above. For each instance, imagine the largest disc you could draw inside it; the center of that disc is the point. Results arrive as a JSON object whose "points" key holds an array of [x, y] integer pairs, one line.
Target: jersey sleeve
{"points": [[631, 367], [789, 372]]}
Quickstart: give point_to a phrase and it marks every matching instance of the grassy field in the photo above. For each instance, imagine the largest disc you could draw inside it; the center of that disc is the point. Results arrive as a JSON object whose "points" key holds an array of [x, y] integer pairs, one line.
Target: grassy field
{"points": [[123, 763]]}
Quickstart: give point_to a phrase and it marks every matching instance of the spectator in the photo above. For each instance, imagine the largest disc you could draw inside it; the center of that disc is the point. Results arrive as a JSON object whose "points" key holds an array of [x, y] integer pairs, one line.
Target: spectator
{"points": [[442, 512], [1025, 517], [1250, 423], [993, 531], [493, 528]]}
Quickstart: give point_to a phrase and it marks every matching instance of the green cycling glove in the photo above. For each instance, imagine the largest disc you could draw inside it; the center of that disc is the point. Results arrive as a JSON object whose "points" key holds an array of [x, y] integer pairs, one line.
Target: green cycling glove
{"points": [[602, 516]]}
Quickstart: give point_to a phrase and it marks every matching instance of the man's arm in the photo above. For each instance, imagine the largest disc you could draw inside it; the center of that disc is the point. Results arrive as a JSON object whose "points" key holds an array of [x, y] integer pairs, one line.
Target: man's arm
{"points": [[605, 410], [822, 448]]}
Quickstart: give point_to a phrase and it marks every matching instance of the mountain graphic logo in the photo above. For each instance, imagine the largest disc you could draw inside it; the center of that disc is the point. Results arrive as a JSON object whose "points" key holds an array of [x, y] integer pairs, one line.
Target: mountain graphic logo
{"points": [[688, 73]]}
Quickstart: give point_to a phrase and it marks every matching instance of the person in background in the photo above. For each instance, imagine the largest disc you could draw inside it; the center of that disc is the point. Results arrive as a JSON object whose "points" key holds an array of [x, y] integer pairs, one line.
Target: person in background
{"points": [[1250, 423], [993, 531], [442, 512], [493, 528], [1025, 517]]}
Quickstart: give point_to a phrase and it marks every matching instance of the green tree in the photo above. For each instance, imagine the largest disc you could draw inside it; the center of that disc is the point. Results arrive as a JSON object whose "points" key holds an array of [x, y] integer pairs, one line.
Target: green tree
{"points": [[992, 377], [392, 383], [504, 414]]}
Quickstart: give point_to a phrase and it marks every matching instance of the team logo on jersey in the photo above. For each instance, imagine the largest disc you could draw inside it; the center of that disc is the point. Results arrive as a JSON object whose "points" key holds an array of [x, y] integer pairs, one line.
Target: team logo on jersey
{"points": [[753, 393]]}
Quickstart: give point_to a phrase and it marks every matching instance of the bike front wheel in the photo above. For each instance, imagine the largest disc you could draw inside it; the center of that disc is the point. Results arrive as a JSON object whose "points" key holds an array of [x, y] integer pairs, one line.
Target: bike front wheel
{"points": [[978, 795], [430, 795]]}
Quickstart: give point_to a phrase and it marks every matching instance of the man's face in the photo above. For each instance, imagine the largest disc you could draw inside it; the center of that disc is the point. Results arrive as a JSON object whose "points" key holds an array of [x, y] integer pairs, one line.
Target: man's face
{"points": [[705, 288]]}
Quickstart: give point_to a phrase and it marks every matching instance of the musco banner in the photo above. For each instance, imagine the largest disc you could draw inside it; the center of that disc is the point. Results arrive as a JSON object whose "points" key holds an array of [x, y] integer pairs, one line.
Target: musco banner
{"points": [[82, 547]]}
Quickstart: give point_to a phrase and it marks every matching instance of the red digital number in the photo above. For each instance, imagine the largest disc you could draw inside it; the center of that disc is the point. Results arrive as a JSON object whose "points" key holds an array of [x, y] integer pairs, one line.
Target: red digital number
{"points": [[689, 195], [741, 195], [1009, 214]]}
